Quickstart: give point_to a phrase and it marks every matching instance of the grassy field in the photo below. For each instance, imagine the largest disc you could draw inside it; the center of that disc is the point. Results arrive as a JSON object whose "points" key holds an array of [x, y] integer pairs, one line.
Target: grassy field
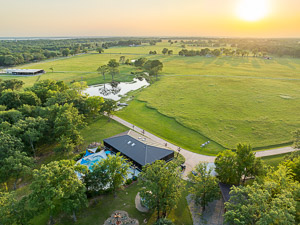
{"points": [[228, 110], [76, 68], [226, 99], [274, 160], [167, 128]]}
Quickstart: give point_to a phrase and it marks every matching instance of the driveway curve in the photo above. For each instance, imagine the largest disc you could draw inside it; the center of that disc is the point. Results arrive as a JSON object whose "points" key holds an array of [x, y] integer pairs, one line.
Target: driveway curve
{"points": [[191, 158]]}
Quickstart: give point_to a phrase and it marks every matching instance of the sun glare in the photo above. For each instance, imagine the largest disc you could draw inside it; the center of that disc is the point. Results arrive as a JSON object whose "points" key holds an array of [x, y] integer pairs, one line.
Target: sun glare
{"points": [[252, 10]]}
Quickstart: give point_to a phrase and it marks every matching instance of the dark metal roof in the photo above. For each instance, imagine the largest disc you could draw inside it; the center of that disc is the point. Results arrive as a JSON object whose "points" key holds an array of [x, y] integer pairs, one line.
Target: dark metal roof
{"points": [[137, 150], [23, 70], [225, 189]]}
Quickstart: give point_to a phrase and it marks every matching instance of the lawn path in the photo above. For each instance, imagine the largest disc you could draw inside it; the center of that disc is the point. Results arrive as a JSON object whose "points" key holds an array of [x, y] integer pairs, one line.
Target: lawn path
{"points": [[191, 158]]}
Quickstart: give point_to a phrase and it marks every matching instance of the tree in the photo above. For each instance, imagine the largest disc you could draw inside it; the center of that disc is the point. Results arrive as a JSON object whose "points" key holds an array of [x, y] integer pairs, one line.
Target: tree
{"points": [[65, 52], [94, 104], [296, 136], [12, 84], [100, 50], [47, 88], [161, 187], [11, 99], [67, 124], [109, 106], [271, 202], [96, 180], [164, 51], [113, 63], [30, 130], [140, 62], [113, 68], [52, 69], [113, 72], [153, 67], [29, 98], [79, 87], [10, 60], [245, 159], [205, 187], [16, 165], [9, 144], [231, 166], [170, 52], [116, 167], [103, 70], [56, 188], [294, 165], [226, 167], [122, 59]]}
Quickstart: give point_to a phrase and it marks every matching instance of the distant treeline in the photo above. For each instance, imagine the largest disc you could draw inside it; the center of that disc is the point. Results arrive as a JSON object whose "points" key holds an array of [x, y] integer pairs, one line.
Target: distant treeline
{"points": [[257, 47], [16, 52]]}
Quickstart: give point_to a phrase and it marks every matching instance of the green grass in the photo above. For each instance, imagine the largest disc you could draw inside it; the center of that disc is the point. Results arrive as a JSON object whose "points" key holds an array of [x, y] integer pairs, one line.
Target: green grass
{"points": [[80, 67], [274, 160], [226, 110], [103, 206], [225, 99], [166, 127], [99, 129]]}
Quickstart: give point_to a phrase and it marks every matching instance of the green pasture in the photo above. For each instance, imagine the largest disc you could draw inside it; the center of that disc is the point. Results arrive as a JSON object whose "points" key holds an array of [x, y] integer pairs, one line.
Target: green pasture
{"points": [[229, 110], [167, 128], [226, 100], [76, 68]]}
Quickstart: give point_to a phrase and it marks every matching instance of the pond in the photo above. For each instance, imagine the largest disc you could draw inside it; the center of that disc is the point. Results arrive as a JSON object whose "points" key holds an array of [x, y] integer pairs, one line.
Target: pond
{"points": [[115, 90]]}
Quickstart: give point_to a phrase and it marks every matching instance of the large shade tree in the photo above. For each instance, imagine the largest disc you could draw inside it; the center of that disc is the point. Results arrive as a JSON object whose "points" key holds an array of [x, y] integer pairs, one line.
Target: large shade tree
{"points": [[234, 167], [204, 186], [161, 187], [56, 188]]}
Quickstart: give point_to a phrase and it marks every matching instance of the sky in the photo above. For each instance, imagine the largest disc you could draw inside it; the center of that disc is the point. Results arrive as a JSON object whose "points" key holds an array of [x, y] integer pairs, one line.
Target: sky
{"points": [[225, 18]]}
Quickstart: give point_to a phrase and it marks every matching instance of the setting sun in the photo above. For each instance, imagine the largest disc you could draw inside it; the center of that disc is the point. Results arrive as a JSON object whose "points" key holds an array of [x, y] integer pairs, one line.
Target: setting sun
{"points": [[252, 10]]}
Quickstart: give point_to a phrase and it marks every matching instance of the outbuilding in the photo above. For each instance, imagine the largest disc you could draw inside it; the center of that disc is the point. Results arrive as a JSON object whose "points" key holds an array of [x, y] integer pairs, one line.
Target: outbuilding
{"points": [[25, 72], [137, 148]]}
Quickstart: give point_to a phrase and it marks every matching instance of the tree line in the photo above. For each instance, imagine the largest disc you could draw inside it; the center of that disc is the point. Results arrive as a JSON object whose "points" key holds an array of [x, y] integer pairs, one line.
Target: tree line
{"points": [[18, 52]]}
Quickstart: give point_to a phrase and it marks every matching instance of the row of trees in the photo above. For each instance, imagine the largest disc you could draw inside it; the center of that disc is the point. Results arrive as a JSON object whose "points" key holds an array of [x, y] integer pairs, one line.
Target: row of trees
{"points": [[221, 51], [26, 51]]}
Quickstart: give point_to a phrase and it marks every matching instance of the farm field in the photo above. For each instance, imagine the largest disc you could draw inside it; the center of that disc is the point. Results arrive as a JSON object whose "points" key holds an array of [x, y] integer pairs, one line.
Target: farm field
{"points": [[226, 100]]}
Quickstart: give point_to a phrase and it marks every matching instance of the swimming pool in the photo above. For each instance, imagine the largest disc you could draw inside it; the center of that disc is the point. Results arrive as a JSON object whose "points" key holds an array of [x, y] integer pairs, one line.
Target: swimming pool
{"points": [[90, 160]]}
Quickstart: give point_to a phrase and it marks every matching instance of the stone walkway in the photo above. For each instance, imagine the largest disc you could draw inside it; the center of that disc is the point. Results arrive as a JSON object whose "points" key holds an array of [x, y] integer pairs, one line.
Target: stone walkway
{"points": [[138, 204], [191, 158]]}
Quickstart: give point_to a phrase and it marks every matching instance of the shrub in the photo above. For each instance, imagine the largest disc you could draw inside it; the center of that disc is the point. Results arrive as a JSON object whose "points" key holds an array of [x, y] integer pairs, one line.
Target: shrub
{"points": [[78, 156], [128, 181]]}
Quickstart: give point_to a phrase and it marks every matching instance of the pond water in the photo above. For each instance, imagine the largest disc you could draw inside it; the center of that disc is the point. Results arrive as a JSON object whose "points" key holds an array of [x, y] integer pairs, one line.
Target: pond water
{"points": [[115, 90]]}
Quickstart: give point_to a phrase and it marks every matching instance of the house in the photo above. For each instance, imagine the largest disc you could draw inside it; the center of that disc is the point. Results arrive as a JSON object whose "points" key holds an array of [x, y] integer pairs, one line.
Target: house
{"points": [[140, 150]]}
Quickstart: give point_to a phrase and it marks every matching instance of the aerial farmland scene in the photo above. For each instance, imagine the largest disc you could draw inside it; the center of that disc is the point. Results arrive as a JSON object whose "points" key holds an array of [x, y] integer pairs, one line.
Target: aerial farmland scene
{"points": [[150, 112]]}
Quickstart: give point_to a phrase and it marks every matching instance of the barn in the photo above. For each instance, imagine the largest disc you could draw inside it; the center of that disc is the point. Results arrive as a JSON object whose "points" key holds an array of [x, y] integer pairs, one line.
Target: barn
{"points": [[25, 72]]}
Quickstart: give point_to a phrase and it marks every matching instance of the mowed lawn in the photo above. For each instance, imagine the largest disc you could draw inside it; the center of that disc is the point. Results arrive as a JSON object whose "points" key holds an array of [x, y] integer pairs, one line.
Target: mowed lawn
{"points": [[229, 110]]}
